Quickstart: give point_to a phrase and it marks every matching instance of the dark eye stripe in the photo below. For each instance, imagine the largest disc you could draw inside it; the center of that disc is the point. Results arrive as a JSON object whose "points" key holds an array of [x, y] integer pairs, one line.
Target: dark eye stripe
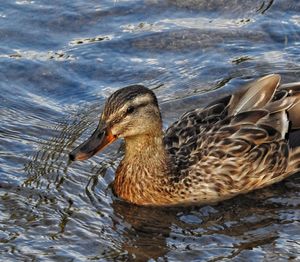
{"points": [[135, 108]]}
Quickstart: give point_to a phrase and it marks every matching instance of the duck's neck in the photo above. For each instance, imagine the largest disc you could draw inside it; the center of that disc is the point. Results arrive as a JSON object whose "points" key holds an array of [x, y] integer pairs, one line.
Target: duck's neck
{"points": [[143, 175], [145, 147]]}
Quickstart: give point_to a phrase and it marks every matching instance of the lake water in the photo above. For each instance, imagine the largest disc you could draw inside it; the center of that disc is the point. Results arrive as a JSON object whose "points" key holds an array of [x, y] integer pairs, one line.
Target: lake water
{"points": [[60, 60]]}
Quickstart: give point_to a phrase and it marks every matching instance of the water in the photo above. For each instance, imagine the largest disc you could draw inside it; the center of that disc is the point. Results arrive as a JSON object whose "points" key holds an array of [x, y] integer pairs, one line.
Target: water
{"points": [[59, 60]]}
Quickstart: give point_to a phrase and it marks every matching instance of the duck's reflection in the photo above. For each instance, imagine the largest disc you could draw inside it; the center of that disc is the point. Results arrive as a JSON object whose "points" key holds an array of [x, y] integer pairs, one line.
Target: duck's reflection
{"points": [[148, 228]]}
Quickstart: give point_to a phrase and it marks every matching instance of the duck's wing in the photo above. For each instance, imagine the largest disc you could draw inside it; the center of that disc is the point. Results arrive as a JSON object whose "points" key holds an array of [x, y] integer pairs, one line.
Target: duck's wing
{"points": [[292, 89], [181, 138], [253, 122]]}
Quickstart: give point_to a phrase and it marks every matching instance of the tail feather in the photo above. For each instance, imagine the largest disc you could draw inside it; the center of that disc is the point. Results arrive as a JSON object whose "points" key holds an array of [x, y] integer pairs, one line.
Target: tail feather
{"points": [[279, 121], [256, 95], [278, 118], [281, 102], [294, 113], [281, 105], [292, 88]]}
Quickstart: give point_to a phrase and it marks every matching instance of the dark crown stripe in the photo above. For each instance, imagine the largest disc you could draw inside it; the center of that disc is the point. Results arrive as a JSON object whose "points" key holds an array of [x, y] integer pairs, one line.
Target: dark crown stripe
{"points": [[126, 94]]}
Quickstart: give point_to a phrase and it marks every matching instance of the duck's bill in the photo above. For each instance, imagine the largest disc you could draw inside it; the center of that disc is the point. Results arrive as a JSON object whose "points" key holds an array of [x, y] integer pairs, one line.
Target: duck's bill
{"points": [[98, 140]]}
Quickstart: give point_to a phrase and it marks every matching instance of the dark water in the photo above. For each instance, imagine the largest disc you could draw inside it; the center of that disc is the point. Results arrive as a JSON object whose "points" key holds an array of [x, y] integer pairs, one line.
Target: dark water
{"points": [[59, 60]]}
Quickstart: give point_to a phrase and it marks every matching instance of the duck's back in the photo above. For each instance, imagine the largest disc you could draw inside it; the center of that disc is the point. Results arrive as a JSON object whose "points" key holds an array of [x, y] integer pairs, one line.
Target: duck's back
{"points": [[238, 143]]}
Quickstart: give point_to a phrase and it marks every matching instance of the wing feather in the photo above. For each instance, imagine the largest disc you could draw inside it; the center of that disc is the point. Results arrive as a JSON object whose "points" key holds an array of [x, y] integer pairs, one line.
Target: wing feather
{"points": [[257, 94], [248, 123]]}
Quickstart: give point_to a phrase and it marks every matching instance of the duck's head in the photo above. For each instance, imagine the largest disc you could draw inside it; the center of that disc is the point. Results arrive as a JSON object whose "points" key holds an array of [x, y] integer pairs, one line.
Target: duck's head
{"points": [[129, 112]]}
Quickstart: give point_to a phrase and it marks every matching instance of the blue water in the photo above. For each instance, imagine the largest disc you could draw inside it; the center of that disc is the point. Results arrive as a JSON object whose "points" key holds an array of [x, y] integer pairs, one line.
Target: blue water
{"points": [[59, 60]]}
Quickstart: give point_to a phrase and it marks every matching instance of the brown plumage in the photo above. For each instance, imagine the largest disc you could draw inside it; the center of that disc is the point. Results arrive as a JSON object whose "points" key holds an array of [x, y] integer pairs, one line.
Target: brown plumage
{"points": [[234, 145]]}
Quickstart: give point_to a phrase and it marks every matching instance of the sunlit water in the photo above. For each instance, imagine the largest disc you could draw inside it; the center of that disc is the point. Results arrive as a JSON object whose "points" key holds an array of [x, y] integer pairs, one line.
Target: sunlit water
{"points": [[59, 60]]}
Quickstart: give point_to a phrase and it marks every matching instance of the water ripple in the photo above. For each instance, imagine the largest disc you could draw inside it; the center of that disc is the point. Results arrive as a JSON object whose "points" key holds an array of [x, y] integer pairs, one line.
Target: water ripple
{"points": [[60, 60]]}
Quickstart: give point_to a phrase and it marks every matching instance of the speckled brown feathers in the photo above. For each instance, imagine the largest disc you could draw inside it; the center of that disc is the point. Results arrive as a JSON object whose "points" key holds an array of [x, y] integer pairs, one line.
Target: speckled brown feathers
{"points": [[236, 144]]}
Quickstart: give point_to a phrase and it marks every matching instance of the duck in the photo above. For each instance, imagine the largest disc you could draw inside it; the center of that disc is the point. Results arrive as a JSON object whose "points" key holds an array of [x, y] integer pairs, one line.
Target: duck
{"points": [[234, 145]]}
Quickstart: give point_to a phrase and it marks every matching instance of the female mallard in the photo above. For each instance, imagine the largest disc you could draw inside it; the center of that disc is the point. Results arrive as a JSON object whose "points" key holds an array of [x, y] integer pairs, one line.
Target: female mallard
{"points": [[235, 145]]}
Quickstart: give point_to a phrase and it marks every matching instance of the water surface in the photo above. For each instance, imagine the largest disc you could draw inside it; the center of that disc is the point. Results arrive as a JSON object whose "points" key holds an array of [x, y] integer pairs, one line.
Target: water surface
{"points": [[60, 60]]}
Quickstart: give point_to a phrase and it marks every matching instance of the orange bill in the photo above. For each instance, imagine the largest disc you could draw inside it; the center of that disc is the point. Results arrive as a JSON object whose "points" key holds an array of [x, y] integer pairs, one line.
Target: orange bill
{"points": [[98, 140]]}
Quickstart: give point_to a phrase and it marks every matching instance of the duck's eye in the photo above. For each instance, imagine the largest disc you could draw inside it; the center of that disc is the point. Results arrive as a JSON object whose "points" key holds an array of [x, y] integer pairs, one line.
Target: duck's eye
{"points": [[130, 110]]}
